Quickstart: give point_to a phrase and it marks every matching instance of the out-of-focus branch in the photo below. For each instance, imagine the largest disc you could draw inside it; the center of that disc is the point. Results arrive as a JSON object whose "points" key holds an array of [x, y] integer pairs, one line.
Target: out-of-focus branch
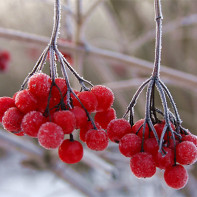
{"points": [[146, 66]]}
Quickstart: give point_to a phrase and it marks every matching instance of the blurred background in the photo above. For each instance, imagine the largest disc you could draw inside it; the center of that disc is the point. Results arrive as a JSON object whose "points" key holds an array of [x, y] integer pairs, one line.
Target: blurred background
{"points": [[108, 42]]}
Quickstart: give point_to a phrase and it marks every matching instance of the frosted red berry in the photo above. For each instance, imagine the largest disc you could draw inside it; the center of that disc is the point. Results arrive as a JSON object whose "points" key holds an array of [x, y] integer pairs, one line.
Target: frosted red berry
{"points": [[118, 128], [12, 119], [151, 146], [5, 104], [104, 118], [190, 138], [176, 176], [39, 84], [66, 120], [130, 144], [50, 135], [25, 101], [70, 151], [105, 97], [97, 139], [142, 165], [31, 123], [186, 153], [137, 128]]}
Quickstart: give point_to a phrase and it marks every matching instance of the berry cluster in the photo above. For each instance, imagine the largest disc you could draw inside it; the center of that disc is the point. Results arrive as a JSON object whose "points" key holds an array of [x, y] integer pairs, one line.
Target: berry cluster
{"points": [[139, 143], [4, 60], [44, 111]]}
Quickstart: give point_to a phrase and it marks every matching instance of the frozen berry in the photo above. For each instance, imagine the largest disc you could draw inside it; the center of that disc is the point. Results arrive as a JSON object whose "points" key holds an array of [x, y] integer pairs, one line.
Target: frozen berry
{"points": [[190, 138], [142, 165], [186, 153], [117, 128], [12, 119], [104, 118], [39, 85], [25, 101], [105, 97], [66, 120], [130, 144], [176, 176], [50, 135], [5, 104], [70, 151], [151, 146], [31, 123], [137, 128], [97, 139]]}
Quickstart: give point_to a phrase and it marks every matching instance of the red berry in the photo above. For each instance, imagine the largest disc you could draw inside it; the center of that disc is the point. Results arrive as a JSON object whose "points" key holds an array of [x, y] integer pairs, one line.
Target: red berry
{"points": [[97, 139], [186, 153], [66, 120], [70, 151], [151, 146], [5, 104], [4, 56], [68, 57], [105, 97], [176, 177], [12, 119], [39, 85], [142, 165], [118, 128], [190, 138], [136, 128], [50, 135], [86, 128], [104, 118], [88, 99], [130, 144], [171, 143], [165, 161], [31, 123], [25, 101], [80, 116]]}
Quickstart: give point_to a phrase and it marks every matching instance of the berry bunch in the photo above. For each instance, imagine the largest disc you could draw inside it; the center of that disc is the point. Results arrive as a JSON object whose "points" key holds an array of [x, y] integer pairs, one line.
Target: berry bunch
{"points": [[4, 60]]}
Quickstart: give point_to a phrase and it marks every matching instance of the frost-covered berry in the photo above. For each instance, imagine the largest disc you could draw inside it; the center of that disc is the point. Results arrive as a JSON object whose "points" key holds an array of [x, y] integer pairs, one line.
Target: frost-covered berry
{"points": [[25, 101], [31, 123], [130, 144], [176, 176], [186, 153], [105, 97], [151, 146], [70, 151], [137, 128], [39, 84], [5, 104], [50, 135], [117, 128], [142, 165], [66, 120], [104, 117], [12, 119], [190, 138], [97, 139]]}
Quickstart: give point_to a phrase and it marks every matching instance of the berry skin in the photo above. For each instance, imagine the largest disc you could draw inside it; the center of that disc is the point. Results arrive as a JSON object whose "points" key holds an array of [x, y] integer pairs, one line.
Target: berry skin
{"points": [[142, 165], [151, 146], [86, 128], [70, 151], [118, 128], [12, 119], [39, 84], [176, 176], [4, 60], [50, 135], [5, 104], [80, 116], [166, 161], [66, 120], [31, 123], [88, 99], [190, 138], [25, 101], [186, 153], [105, 97], [136, 127], [104, 118], [130, 144], [97, 139]]}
